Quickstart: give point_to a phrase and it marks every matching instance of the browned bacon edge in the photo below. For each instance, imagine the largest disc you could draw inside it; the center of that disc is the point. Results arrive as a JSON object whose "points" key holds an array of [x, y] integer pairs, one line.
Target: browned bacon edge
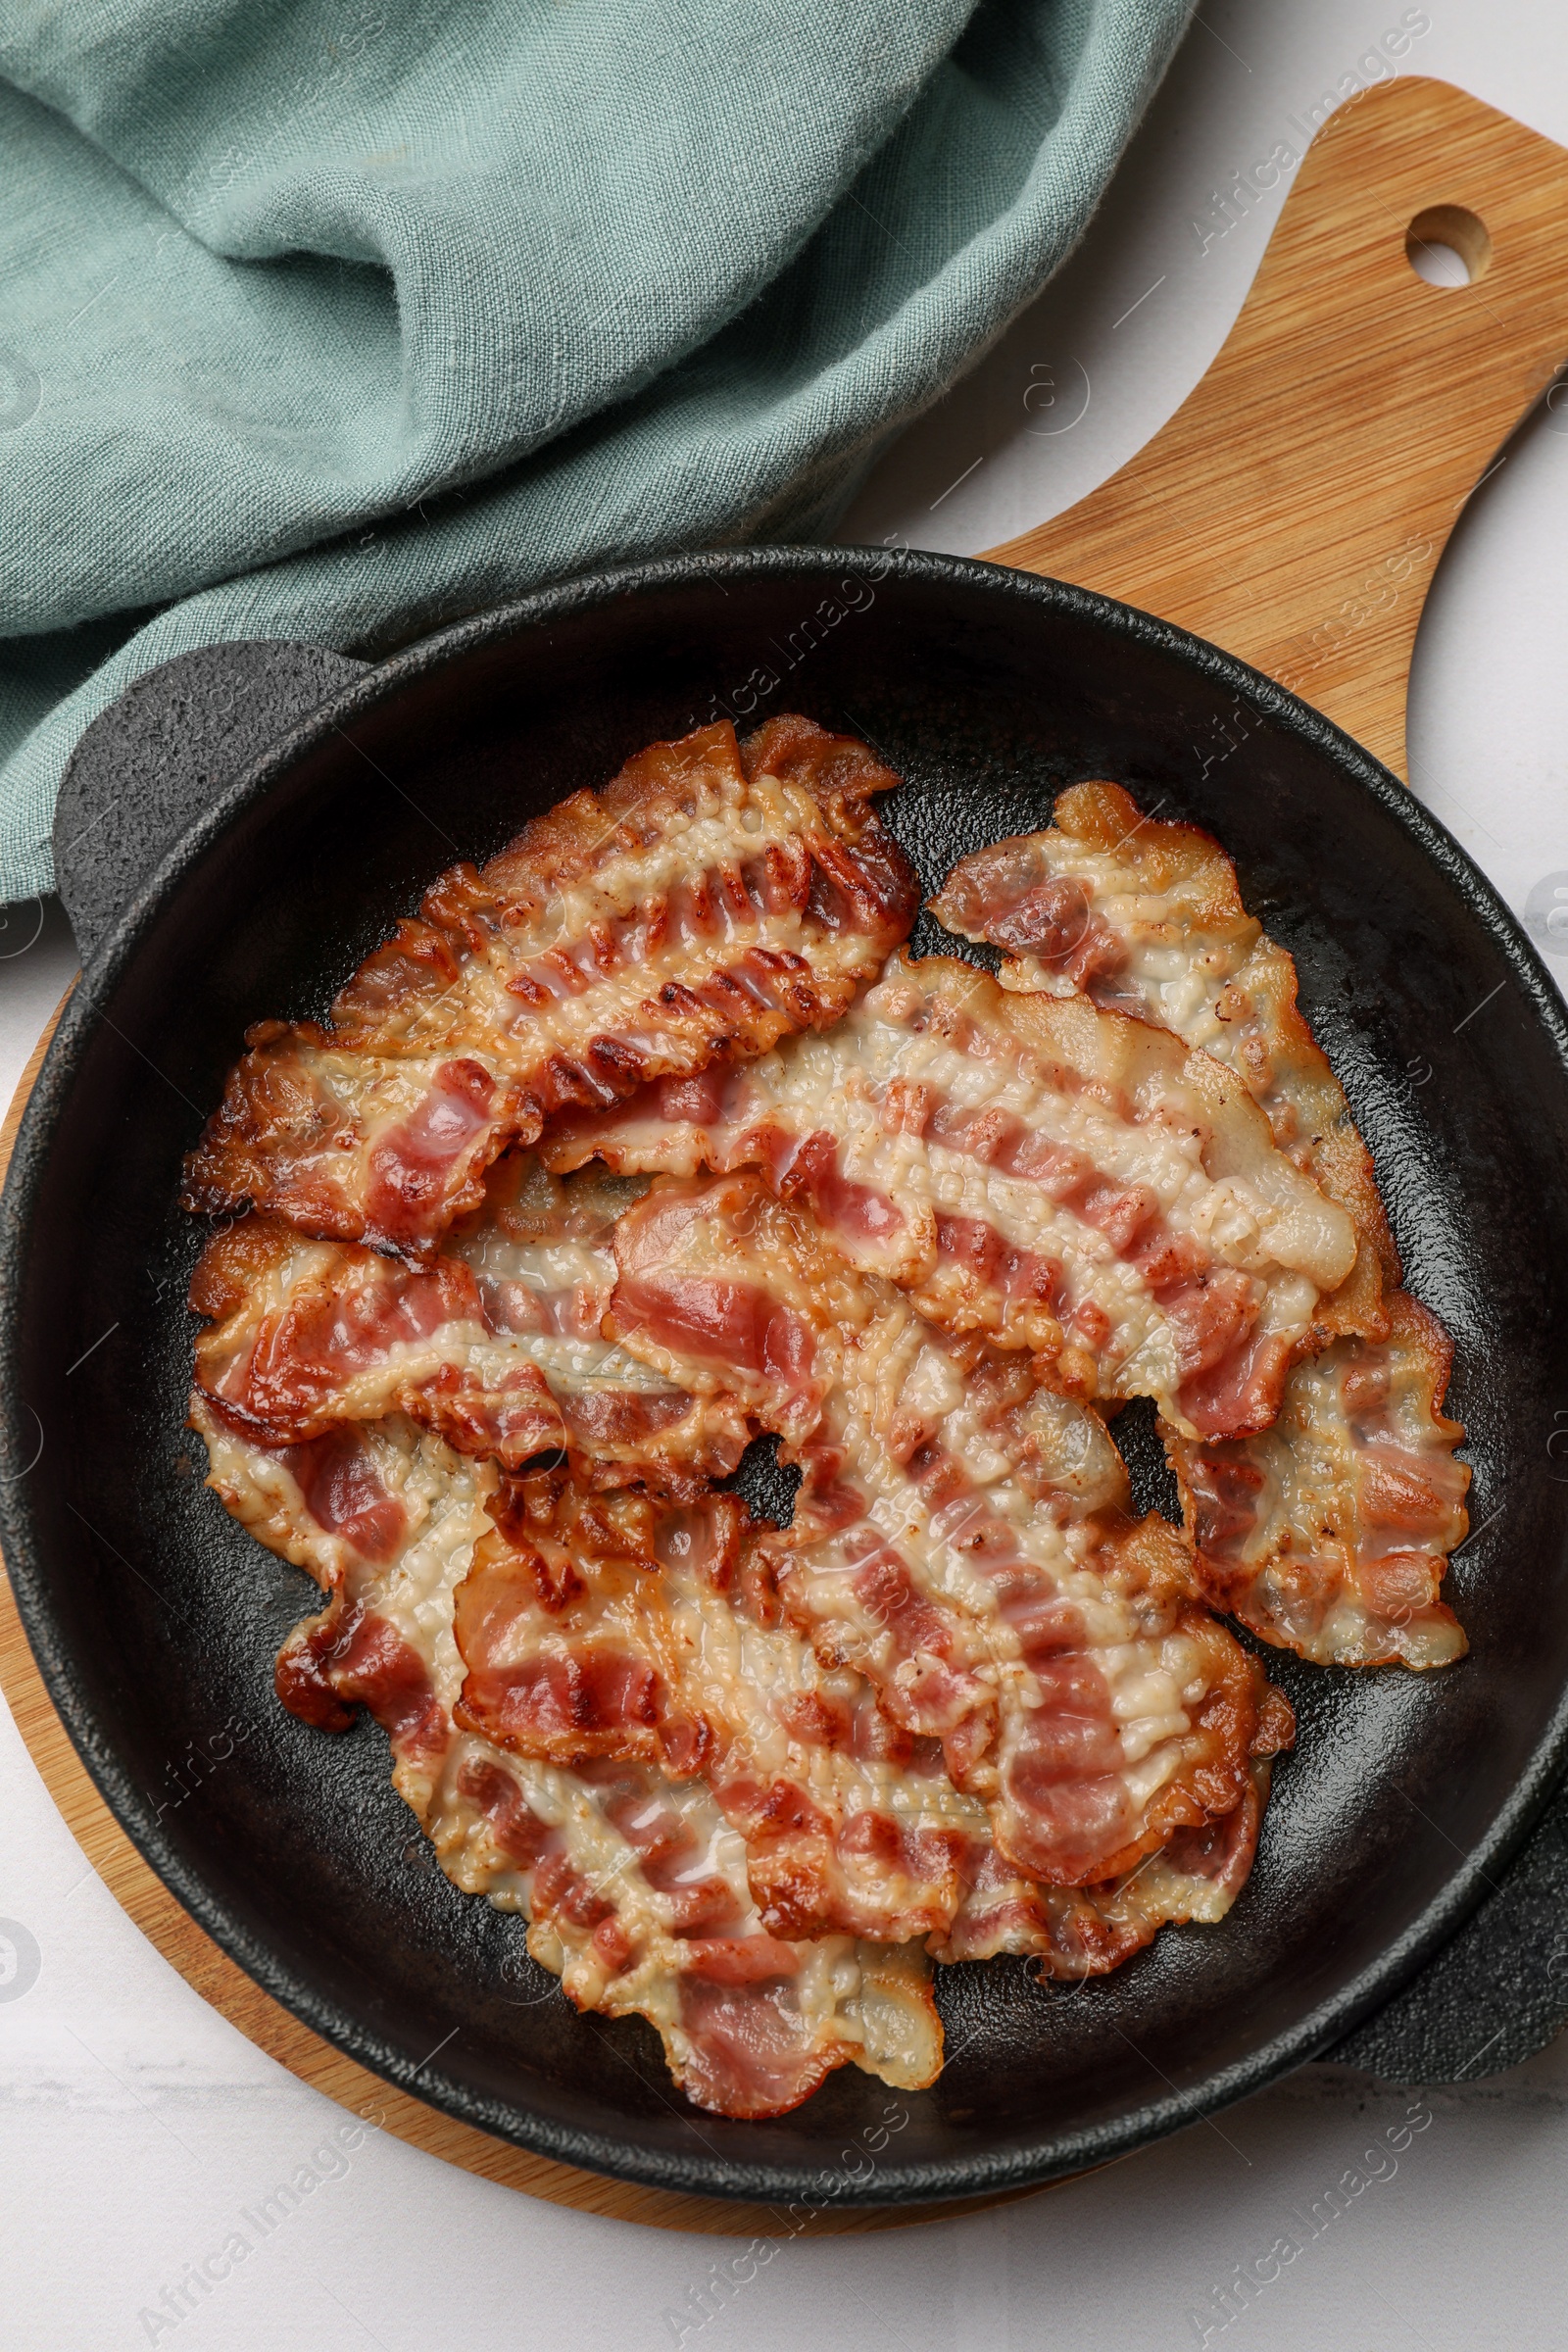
{"points": [[1378, 1548], [282, 1140], [286, 1375], [1006, 895]]}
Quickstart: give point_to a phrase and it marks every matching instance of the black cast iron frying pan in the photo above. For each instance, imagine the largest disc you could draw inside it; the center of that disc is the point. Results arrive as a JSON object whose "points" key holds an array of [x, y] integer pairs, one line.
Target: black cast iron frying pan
{"points": [[155, 1619]]}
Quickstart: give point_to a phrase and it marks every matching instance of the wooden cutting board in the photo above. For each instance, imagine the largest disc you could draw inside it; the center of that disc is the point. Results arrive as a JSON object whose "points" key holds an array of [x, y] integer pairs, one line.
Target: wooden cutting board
{"points": [[1294, 510], [1295, 507]]}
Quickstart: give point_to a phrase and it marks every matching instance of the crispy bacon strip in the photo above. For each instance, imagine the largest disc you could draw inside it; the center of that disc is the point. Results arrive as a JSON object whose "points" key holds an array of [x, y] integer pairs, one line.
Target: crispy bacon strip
{"points": [[633, 1895], [711, 900], [850, 1825], [618, 1628], [1051, 1175], [1147, 918], [962, 1536], [577, 1623], [496, 1344], [1084, 1932], [1298, 1531], [1330, 1531]]}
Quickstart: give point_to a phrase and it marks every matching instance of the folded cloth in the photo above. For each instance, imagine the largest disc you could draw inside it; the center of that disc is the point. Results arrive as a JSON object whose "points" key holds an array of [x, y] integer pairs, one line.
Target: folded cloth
{"points": [[333, 319]]}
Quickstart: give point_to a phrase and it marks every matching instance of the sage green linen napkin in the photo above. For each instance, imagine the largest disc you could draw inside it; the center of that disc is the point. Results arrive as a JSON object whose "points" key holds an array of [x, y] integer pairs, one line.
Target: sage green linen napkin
{"points": [[335, 318]]}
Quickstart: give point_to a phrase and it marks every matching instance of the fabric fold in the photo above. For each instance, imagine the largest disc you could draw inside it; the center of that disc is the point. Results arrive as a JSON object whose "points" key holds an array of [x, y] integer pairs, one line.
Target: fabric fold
{"points": [[337, 323]]}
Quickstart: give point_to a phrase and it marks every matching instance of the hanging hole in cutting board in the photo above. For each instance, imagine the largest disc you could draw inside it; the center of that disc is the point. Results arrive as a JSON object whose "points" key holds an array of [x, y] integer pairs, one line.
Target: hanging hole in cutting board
{"points": [[1448, 246]]}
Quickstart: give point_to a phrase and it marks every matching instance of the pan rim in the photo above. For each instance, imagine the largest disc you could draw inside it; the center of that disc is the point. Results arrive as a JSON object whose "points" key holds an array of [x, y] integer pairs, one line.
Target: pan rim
{"points": [[1053, 2153]]}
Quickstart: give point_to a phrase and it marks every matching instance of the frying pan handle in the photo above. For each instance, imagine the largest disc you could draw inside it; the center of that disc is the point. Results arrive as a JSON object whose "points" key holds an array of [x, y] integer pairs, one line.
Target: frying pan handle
{"points": [[1294, 507], [149, 764]]}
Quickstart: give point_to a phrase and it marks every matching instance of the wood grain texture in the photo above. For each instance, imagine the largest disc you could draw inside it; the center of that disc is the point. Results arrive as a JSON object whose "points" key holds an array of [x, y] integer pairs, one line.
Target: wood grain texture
{"points": [[1294, 507], [221, 1983]]}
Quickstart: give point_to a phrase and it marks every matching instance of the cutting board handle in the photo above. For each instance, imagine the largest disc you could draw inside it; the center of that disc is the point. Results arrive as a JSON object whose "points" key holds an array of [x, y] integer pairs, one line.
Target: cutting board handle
{"points": [[1294, 507]]}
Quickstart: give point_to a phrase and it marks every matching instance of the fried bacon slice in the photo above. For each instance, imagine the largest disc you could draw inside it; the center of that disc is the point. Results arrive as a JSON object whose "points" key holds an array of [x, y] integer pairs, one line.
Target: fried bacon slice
{"points": [[1330, 1531], [1079, 1932], [1147, 918], [616, 1626], [596, 1627], [496, 1343], [636, 1897], [712, 900], [850, 1832], [1296, 1529], [962, 1536], [1049, 1174]]}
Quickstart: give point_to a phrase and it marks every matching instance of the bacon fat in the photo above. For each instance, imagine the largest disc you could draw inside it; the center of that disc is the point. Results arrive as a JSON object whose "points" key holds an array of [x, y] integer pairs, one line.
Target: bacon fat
{"points": [[1321, 1536], [636, 1145], [496, 1343], [708, 902], [1053, 1176]]}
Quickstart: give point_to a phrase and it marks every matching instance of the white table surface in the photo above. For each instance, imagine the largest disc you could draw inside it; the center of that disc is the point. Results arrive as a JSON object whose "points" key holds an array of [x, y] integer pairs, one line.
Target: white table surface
{"points": [[136, 2125]]}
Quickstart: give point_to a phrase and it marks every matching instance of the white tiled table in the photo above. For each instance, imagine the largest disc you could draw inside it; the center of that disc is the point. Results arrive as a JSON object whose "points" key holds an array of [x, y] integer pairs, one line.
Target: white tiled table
{"points": [[136, 2125]]}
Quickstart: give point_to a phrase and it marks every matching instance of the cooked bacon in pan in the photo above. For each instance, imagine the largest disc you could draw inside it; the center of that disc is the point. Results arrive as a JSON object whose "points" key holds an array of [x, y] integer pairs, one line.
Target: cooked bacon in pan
{"points": [[618, 1628], [628, 1149], [637, 1896], [1320, 1536], [711, 900], [597, 1627], [497, 1344], [962, 1536], [1147, 918], [1078, 1931], [854, 1844], [1330, 1531], [1050, 1174]]}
